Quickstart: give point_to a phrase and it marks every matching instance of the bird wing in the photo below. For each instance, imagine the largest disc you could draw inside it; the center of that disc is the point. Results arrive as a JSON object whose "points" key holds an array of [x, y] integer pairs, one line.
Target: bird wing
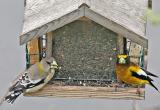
{"points": [[37, 71], [32, 74], [20, 86], [28, 79], [141, 76], [25, 81], [144, 77], [149, 73]]}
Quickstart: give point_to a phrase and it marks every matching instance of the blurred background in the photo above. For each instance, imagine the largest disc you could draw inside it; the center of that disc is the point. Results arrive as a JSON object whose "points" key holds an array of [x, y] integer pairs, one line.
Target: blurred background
{"points": [[12, 62]]}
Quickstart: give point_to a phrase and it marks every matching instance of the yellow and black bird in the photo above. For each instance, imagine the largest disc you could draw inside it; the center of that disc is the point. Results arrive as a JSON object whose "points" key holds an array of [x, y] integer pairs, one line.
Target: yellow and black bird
{"points": [[130, 73]]}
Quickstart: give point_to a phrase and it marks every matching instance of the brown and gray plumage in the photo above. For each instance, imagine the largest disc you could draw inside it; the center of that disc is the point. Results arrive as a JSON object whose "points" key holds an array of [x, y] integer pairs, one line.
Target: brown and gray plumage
{"points": [[32, 79]]}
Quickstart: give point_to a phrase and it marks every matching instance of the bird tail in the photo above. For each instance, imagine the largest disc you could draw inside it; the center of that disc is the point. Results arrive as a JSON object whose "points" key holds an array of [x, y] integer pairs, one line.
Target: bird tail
{"points": [[2, 99], [150, 82], [149, 73], [11, 96]]}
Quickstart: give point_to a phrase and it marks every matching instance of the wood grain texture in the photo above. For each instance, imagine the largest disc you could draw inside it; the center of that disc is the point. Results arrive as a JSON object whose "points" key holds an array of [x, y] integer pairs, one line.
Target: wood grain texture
{"points": [[120, 29], [88, 13], [126, 12], [33, 51], [135, 52], [52, 25], [120, 44], [41, 14], [88, 92], [49, 44]]}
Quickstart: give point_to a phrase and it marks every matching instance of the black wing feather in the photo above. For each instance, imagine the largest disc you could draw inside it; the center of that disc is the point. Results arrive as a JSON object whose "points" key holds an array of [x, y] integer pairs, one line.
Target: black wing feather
{"points": [[153, 85], [141, 76], [19, 87], [149, 73], [31, 85], [144, 78]]}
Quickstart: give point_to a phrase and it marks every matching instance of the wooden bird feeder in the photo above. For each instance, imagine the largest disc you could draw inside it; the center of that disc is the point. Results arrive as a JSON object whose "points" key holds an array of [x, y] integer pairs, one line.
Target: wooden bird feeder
{"points": [[85, 36]]}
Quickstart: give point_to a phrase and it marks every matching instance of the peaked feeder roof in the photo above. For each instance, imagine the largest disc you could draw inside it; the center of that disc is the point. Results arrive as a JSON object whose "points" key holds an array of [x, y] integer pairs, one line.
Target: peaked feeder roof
{"points": [[125, 17]]}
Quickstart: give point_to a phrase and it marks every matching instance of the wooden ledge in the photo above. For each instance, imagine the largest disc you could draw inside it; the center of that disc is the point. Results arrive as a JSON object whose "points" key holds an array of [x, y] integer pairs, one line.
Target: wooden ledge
{"points": [[88, 92]]}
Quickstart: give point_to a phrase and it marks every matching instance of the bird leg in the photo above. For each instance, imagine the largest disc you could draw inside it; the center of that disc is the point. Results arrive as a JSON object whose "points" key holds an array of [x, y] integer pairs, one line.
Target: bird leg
{"points": [[116, 87], [117, 84], [138, 91]]}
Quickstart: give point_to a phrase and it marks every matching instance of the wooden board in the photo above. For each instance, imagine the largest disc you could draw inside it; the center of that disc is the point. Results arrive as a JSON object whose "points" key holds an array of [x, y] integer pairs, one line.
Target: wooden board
{"points": [[33, 51], [88, 92], [120, 44], [135, 52], [49, 44]]}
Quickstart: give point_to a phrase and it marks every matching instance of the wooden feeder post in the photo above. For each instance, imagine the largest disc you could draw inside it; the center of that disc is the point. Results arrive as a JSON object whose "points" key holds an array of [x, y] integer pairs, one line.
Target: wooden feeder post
{"points": [[84, 37]]}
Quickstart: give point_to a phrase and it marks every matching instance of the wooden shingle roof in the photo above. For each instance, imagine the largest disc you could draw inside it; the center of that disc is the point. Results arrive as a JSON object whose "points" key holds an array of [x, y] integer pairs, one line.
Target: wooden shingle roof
{"points": [[125, 17]]}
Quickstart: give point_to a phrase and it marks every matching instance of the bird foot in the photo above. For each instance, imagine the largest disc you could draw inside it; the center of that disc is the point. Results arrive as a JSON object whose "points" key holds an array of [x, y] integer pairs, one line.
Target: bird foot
{"points": [[138, 91], [116, 87]]}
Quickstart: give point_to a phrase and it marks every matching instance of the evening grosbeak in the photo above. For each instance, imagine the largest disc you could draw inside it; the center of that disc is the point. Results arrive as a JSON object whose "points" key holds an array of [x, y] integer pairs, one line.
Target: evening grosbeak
{"points": [[130, 73], [32, 79]]}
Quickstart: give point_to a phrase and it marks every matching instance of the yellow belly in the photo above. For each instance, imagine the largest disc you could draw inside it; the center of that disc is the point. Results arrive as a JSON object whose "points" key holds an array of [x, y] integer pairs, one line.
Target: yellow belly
{"points": [[134, 81]]}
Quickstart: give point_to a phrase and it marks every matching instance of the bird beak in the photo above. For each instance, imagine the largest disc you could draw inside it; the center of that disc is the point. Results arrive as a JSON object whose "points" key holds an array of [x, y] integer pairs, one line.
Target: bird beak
{"points": [[55, 66], [122, 61]]}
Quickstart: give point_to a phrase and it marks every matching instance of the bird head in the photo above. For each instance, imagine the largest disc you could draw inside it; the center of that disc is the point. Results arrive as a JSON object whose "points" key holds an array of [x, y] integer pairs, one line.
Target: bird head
{"points": [[123, 59], [52, 62]]}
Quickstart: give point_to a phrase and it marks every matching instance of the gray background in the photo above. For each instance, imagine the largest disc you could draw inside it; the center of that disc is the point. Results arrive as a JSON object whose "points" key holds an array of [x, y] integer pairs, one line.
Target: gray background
{"points": [[12, 61]]}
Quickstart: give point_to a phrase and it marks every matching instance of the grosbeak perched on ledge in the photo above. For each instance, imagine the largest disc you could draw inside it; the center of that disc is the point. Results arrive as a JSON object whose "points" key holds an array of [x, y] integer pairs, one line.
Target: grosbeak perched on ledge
{"points": [[130, 73], [32, 79]]}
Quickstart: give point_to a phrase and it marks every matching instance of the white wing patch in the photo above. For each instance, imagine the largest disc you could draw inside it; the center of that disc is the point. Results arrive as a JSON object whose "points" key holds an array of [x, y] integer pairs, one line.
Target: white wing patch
{"points": [[141, 72]]}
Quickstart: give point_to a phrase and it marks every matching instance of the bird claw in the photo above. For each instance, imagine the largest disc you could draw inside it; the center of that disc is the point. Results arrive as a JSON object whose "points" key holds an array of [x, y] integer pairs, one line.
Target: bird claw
{"points": [[116, 87], [138, 91]]}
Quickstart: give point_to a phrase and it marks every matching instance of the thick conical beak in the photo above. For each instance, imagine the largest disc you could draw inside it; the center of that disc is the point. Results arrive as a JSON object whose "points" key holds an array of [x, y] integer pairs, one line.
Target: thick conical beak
{"points": [[55, 66], [122, 61]]}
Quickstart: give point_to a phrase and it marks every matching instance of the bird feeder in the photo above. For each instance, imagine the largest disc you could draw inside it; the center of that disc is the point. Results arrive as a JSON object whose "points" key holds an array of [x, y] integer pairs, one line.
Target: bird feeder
{"points": [[85, 36]]}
